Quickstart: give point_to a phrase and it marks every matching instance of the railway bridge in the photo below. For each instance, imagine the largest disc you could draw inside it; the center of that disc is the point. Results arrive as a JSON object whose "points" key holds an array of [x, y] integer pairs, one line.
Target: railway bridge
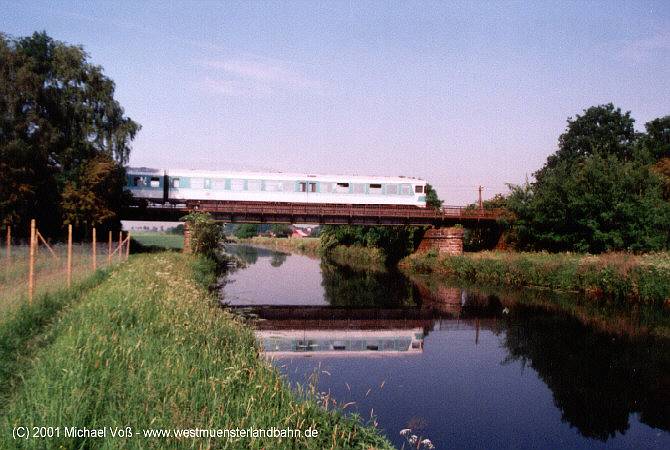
{"points": [[442, 236]]}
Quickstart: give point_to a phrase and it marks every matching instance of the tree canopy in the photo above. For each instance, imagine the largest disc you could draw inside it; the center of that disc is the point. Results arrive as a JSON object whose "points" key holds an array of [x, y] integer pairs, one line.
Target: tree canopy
{"points": [[63, 136], [602, 190]]}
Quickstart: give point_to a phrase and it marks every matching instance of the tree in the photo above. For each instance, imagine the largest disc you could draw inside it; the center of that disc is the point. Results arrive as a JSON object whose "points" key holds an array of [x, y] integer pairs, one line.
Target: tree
{"points": [[280, 229], [432, 199], [58, 121], [247, 230], [394, 242], [597, 193]]}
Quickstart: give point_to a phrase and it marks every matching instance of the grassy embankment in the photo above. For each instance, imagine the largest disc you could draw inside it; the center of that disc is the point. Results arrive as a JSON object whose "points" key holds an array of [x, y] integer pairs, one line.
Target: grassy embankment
{"points": [[305, 246], [635, 279], [159, 240], [355, 257], [148, 348]]}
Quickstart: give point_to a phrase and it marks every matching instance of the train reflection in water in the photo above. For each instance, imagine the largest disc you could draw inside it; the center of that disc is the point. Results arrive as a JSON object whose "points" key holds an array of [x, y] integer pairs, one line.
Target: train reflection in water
{"points": [[325, 331], [338, 342]]}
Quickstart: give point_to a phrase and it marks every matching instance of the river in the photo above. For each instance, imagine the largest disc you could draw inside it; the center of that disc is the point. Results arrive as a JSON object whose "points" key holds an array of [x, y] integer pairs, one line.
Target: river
{"points": [[464, 368]]}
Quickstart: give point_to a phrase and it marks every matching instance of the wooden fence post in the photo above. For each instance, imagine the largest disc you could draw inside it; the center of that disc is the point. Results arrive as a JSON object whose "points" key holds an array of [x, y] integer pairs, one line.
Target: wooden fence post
{"points": [[95, 251], [9, 241], [128, 245], [69, 255], [120, 245], [109, 249], [31, 263]]}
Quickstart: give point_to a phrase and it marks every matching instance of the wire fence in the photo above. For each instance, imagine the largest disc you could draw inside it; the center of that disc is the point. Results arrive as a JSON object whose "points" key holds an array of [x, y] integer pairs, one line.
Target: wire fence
{"points": [[33, 268]]}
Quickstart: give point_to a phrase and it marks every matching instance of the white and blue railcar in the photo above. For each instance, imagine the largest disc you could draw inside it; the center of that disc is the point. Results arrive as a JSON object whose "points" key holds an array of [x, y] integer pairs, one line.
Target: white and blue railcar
{"points": [[180, 186]]}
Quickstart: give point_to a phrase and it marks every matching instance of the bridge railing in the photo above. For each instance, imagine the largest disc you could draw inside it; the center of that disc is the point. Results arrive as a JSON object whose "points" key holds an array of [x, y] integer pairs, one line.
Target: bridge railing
{"points": [[333, 210]]}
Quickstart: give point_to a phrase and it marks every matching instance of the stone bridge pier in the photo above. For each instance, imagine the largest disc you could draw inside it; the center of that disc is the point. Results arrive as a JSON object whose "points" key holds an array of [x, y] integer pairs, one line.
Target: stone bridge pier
{"points": [[187, 238], [448, 240]]}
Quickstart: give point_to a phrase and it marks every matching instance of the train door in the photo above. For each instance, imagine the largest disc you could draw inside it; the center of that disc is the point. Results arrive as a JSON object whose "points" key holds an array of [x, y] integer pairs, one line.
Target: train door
{"points": [[307, 187]]}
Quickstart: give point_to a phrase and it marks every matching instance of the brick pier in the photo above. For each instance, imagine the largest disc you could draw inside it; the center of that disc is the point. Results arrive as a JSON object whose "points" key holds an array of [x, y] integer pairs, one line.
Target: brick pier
{"points": [[444, 240]]}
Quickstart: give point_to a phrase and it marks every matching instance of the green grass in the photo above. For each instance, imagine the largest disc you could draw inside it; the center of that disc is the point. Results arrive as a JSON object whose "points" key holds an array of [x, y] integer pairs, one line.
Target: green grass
{"points": [[149, 348], [161, 240], [624, 277], [24, 330]]}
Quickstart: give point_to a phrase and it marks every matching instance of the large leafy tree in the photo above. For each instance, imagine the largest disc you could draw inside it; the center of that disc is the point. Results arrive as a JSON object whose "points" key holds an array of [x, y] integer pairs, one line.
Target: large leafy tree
{"points": [[598, 192], [63, 136]]}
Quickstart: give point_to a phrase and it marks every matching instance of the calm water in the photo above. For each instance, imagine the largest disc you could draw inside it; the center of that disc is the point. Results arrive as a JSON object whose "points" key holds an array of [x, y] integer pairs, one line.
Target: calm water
{"points": [[463, 368]]}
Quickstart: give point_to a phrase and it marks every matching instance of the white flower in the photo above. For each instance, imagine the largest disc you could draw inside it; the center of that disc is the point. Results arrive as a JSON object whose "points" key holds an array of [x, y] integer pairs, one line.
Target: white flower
{"points": [[427, 443], [413, 439], [405, 431]]}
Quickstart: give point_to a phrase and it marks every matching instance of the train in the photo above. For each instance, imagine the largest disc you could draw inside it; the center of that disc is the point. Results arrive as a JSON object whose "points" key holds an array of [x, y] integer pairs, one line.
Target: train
{"points": [[162, 186]]}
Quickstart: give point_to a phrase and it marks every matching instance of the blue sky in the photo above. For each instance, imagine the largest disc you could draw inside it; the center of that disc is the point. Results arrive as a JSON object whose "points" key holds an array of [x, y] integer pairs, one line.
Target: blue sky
{"points": [[460, 94]]}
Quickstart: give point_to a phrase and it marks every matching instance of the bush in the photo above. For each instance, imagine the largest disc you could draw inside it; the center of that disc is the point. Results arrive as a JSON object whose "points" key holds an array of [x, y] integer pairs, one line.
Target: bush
{"points": [[205, 234]]}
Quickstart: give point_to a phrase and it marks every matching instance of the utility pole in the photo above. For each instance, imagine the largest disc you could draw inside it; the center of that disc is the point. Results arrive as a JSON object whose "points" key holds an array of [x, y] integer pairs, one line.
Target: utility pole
{"points": [[481, 204]]}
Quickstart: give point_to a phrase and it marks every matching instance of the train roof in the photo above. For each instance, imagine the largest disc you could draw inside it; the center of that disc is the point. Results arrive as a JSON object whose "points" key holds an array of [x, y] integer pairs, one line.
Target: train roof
{"points": [[274, 175]]}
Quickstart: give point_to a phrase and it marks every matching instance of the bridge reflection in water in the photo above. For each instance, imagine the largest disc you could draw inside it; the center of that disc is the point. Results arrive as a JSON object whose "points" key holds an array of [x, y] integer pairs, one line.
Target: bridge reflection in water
{"points": [[333, 331]]}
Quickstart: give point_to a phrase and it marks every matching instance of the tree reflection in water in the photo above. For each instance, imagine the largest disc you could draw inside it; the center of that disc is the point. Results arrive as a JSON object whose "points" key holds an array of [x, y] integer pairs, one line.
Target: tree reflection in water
{"points": [[598, 375], [597, 379], [345, 287]]}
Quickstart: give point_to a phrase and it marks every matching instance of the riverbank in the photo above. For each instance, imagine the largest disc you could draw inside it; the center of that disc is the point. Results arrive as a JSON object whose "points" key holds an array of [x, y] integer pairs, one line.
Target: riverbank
{"points": [[356, 257], [148, 348], [305, 246], [629, 278]]}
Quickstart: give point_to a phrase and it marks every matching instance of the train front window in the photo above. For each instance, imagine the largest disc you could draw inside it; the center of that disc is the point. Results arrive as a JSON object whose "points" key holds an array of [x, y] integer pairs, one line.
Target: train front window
{"points": [[312, 187], [418, 189], [303, 187]]}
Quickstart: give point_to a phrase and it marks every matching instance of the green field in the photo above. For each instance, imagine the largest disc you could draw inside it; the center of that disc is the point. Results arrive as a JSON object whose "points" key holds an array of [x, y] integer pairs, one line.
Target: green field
{"points": [[161, 240], [149, 348]]}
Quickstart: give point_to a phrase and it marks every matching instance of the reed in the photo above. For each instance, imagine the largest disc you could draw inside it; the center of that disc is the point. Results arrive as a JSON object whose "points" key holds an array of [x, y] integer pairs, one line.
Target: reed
{"points": [[629, 278]]}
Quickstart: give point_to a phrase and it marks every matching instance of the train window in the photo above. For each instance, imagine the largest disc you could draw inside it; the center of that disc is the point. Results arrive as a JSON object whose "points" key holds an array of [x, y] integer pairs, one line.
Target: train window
{"points": [[303, 187], [288, 186], [418, 189], [392, 189], [237, 185], [342, 188], [139, 181], [273, 186], [359, 188], [219, 185], [197, 183], [312, 187], [375, 188], [405, 189], [254, 185], [207, 183], [175, 182]]}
